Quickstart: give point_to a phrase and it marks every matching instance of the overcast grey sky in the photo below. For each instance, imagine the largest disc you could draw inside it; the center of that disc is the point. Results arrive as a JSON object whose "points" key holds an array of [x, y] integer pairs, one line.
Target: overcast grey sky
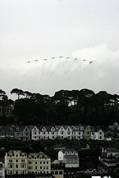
{"points": [[37, 29]]}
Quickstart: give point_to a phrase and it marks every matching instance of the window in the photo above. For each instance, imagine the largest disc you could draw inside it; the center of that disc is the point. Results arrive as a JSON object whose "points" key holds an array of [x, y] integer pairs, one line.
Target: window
{"points": [[23, 166], [30, 162], [24, 172], [16, 172], [22, 160], [10, 161], [11, 172], [100, 137], [60, 172], [56, 172], [29, 167], [10, 165]]}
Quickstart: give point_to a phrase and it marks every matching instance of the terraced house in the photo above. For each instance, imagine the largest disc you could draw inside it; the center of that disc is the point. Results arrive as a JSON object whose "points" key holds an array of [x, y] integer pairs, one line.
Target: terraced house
{"points": [[53, 132], [23, 133], [27, 133], [69, 157], [39, 163], [97, 134], [18, 162]]}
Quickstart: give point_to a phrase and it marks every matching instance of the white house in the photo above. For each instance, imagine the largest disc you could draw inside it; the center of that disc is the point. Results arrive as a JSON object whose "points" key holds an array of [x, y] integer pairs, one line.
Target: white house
{"points": [[35, 133], [68, 132], [97, 135], [61, 132], [53, 132], [77, 133], [44, 133]]}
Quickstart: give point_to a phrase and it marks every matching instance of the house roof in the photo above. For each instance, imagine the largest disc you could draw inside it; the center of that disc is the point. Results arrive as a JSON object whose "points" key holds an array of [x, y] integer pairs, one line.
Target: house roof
{"points": [[68, 150]]}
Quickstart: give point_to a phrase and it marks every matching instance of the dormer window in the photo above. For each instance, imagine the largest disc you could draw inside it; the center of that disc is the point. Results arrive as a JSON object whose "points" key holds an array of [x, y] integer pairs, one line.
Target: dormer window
{"points": [[100, 132], [61, 128], [68, 129], [52, 129], [35, 130], [62, 132], [43, 129]]}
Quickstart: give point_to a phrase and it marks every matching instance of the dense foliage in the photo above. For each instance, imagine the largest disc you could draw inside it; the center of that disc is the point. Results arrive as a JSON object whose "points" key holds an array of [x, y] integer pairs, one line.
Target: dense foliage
{"points": [[64, 108]]}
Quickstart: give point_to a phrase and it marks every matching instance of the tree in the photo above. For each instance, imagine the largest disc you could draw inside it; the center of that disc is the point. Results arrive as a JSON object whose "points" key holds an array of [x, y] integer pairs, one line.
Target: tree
{"points": [[2, 92], [28, 94], [17, 91]]}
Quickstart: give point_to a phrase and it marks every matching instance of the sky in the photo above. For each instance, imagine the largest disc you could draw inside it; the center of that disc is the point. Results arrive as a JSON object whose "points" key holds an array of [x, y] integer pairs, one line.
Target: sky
{"points": [[41, 29]]}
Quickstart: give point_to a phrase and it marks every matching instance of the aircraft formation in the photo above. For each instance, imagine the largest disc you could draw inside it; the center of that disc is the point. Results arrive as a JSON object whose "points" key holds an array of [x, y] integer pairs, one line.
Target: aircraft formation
{"points": [[60, 57]]}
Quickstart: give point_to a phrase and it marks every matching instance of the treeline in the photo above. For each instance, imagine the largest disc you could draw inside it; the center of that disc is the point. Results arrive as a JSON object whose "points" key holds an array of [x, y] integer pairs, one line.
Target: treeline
{"points": [[64, 108]]}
